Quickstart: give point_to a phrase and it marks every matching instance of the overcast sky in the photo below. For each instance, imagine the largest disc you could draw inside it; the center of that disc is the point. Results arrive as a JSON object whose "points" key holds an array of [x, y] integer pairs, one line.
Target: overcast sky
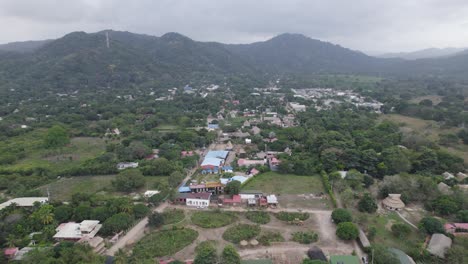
{"points": [[367, 25]]}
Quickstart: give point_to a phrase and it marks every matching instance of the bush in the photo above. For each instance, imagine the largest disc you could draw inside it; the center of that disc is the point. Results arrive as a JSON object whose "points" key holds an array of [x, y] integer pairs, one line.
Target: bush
{"points": [[258, 217], [128, 180], [164, 243], [347, 231], [213, 219], [288, 217], [156, 219], [462, 216], [400, 230], [431, 225], [269, 237], [116, 223], [328, 188], [445, 205], [241, 232], [341, 215], [230, 255], [140, 211], [305, 237], [367, 204]]}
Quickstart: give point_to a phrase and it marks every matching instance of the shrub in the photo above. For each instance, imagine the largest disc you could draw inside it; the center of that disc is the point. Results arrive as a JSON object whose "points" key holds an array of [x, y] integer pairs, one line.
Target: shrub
{"points": [[462, 216], [258, 217], [400, 230], [269, 237], [445, 205], [288, 217], [431, 225], [230, 255], [156, 219], [140, 210], [213, 219], [347, 231], [116, 223], [341, 215], [241, 232], [367, 204], [305, 237], [328, 188]]}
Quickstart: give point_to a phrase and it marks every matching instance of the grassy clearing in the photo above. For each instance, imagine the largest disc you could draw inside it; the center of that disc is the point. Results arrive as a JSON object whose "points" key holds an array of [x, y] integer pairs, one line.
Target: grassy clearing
{"points": [[258, 217], [273, 182], [213, 219], [164, 243], [64, 188], [384, 235], [237, 233], [172, 216]]}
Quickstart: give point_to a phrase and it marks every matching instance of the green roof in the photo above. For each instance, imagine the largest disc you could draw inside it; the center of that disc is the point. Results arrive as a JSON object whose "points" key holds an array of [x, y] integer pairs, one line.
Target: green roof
{"points": [[257, 261], [348, 259]]}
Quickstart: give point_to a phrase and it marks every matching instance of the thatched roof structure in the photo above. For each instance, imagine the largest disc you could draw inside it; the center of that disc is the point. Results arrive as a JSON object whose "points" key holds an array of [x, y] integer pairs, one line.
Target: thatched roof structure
{"points": [[439, 245], [393, 202], [244, 243], [315, 253]]}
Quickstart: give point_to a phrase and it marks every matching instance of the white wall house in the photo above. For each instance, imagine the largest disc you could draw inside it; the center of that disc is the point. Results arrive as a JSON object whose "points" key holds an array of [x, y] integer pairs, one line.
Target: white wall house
{"points": [[198, 199]]}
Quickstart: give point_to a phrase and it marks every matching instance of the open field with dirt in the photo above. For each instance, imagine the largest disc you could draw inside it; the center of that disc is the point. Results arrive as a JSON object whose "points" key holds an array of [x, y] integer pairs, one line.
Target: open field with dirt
{"points": [[275, 183]]}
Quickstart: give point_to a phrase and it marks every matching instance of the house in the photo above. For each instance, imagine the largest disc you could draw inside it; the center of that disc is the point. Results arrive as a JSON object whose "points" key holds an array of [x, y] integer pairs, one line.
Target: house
{"points": [[444, 188], [250, 194], [297, 107], [186, 153], [272, 200], [24, 202], [439, 245], [246, 124], [248, 162], [127, 165], [184, 189], [393, 202], [75, 231], [401, 256], [211, 187], [96, 243], [253, 172], [198, 199], [22, 253], [228, 169], [212, 127], [10, 253], [256, 130], [456, 228], [448, 175], [150, 193], [211, 163], [273, 162], [242, 154], [233, 200], [344, 259], [248, 141]]}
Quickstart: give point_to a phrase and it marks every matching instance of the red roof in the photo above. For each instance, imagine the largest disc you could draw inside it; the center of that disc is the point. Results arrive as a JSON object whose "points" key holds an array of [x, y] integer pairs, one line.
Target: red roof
{"points": [[456, 225], [10, 251], [235, 199]]}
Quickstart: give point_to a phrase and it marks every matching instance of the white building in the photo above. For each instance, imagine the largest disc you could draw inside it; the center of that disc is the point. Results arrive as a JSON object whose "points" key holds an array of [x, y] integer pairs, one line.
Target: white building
{"points": [[150, 193], [272, 200], [127, 165], [198, 199], [76, 231], [297, 107], [24, 201]]}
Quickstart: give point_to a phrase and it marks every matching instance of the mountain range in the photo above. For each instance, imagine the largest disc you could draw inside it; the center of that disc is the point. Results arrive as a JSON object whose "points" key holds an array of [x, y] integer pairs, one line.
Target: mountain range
{"points": [[82, 59], [424, 54]]}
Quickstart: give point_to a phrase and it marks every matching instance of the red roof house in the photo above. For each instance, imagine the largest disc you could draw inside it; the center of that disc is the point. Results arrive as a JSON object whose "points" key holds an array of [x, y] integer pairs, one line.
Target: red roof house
{"points": [[10, 252], [236, 199], [456, 228]]}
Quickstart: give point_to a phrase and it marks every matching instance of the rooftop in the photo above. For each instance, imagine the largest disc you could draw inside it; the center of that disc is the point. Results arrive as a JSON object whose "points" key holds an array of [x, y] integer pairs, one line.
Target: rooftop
{"points": [[24, 201]]}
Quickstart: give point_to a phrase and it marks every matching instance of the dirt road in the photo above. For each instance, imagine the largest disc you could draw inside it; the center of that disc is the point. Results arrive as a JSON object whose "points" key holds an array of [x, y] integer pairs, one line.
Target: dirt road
{"points": [[133, 235]]}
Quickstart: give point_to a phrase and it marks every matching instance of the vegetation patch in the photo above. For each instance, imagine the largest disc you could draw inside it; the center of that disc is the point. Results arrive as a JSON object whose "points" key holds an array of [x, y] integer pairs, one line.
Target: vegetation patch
{"points": [[258, 217], [305, 237], [269, 237], [241, 232], [289, 217], [273, 182], [213, 219], [173, 216], [164, 243]]}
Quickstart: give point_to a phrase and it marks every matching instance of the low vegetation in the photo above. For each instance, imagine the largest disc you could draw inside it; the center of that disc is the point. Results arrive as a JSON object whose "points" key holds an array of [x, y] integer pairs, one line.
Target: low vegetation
{"points": [[173, 216], [289, 217], [258, 217], [240, 232], [163, 243], [268, 237], [305, 237], [213, 219]]}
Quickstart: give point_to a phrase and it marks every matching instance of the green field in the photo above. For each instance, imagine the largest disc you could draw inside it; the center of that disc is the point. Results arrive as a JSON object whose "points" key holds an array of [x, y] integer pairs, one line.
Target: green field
{"points": [[273, 182], [64, 188]]}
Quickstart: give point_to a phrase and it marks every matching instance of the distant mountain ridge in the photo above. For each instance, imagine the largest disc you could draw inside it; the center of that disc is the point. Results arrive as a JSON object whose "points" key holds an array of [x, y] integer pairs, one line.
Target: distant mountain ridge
{"points": [[424, 54], [81, 59]]}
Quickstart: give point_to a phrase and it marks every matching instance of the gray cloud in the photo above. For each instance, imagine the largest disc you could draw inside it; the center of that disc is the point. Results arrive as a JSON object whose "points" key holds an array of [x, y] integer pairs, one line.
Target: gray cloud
{"points": [[367, 25]]}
